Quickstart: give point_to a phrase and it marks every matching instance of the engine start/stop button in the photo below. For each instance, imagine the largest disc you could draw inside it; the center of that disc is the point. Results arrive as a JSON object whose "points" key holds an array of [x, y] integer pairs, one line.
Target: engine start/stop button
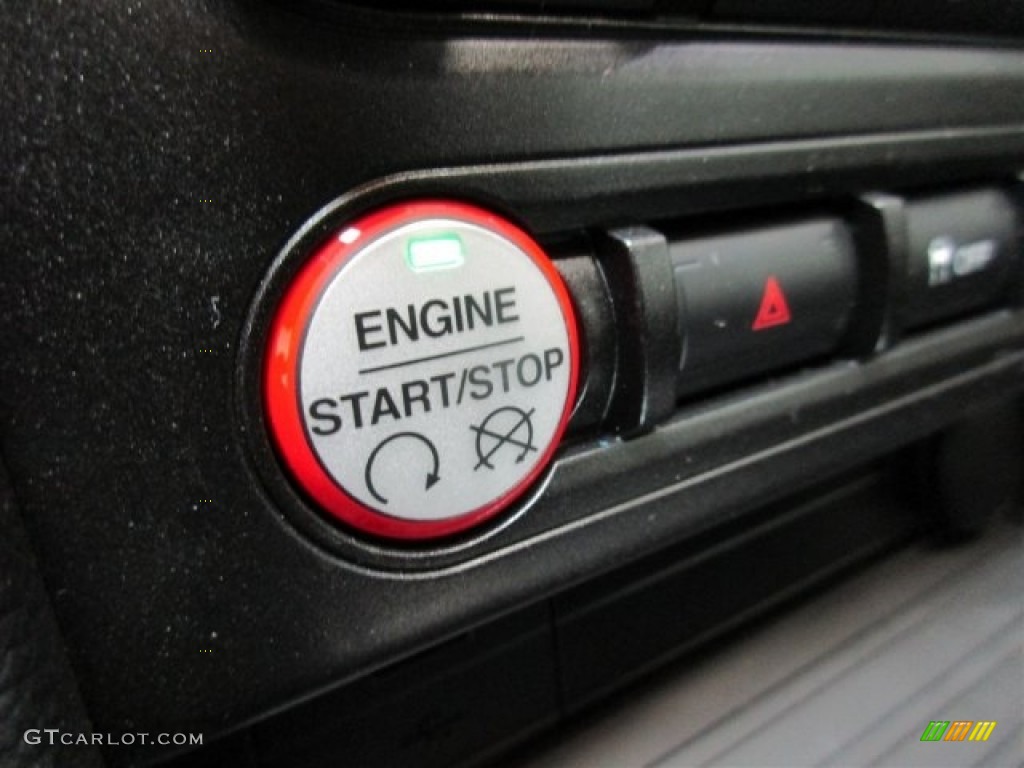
{"points": [[421, 369]]}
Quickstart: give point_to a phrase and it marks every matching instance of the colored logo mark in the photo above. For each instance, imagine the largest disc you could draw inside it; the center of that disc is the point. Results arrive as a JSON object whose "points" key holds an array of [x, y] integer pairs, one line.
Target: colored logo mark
{"points": [[958, 730]]}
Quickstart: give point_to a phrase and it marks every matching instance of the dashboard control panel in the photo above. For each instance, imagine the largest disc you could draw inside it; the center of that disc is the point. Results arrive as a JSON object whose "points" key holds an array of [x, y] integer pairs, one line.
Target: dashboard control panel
{"points": [[352, 346], [422, 365]]}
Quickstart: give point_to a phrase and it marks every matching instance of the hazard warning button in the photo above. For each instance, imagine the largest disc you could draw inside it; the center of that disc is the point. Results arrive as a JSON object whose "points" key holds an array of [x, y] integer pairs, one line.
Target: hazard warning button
{"points": [[774, 309], [762, 299], [421, 369]]}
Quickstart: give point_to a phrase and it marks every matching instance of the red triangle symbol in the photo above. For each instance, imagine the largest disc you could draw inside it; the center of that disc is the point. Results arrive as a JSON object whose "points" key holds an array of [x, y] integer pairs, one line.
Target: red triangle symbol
{"points": [[774, 309]]}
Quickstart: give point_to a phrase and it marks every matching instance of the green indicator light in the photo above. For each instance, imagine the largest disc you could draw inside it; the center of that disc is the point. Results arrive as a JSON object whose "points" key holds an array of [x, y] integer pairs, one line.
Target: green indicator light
{"points": [[430, 254]]}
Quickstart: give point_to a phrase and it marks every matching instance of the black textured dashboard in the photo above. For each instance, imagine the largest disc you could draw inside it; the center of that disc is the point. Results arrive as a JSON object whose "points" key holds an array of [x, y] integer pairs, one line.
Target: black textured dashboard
{"points": [[166, 166]]}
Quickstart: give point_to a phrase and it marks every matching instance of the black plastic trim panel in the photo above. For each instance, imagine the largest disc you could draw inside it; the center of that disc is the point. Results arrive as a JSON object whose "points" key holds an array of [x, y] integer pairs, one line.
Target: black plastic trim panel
{"points": [[161, 160]]}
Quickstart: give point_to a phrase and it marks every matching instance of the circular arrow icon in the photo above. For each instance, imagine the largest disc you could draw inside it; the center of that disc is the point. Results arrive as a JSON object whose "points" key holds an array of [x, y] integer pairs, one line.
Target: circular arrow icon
{"points": [[433, 476]]}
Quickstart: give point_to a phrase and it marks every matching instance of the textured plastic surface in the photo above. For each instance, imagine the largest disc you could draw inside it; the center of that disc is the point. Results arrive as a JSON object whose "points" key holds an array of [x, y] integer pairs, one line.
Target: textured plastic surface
{"points": [[956, 19], [37, 688], [620, 626], [927, 634], [805, 11], [483, 690], [973, 472], [159, 159], [446, 706]]}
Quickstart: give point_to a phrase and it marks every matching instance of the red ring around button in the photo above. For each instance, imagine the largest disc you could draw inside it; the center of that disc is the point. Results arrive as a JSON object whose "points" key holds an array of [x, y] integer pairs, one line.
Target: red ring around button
{"points": [[283, 354]]}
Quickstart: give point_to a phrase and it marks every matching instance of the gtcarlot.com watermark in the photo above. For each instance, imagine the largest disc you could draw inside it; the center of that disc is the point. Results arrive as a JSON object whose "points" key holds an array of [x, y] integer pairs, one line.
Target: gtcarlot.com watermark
{"points": [[54, 736]]}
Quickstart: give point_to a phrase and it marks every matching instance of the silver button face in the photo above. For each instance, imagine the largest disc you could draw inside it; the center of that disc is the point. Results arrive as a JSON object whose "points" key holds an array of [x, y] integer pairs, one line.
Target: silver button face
{"points": [[432, 356]]}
